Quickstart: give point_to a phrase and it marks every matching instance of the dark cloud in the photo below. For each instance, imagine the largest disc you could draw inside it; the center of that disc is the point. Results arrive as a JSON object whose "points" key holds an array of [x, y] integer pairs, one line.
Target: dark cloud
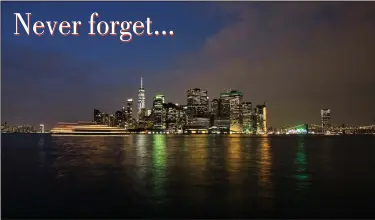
{"points": [[298, 56]]}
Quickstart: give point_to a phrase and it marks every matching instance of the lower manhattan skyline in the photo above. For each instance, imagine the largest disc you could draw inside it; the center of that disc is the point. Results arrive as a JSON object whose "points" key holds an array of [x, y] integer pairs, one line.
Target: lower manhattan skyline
{"points": [[298, 57]]}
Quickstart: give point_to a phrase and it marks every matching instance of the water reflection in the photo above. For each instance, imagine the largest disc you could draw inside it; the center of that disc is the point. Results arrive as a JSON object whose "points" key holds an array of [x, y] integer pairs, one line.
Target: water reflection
{"points": [[141, 158], [265, 182], [86, 158], [265, 163], [234, 158], [302, 176], [159, 173], [198, 159]]}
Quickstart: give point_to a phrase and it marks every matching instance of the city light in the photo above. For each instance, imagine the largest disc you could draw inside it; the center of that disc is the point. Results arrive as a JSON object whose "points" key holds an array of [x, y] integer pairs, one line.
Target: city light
{"points": [[227, 114]]}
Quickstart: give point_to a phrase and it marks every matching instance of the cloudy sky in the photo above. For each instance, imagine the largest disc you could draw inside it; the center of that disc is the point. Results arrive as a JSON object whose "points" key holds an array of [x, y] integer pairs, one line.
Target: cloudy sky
{"points": [[299, 57]]}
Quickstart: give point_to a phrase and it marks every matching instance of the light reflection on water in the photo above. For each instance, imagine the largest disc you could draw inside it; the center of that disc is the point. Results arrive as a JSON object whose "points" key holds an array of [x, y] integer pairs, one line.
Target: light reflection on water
{"points": [[159, 165], [226, 176], [265, 174], [234, 158], [302, 175]]}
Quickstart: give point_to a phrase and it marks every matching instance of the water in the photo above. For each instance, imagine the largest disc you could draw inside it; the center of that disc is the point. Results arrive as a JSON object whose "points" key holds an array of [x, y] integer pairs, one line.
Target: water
{"points": [[198, 176]]}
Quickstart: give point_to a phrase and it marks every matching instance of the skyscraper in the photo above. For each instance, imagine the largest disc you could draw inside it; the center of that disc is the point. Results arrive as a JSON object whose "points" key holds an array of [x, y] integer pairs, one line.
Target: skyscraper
{"points": [[141, 101], [261, 120], [129, 113], [170, 116], [197, 108], [231, 105], [214, 111], [325, 115], [157, 111], [247, 117], [181, 116], [119, 118], [98, 117]]}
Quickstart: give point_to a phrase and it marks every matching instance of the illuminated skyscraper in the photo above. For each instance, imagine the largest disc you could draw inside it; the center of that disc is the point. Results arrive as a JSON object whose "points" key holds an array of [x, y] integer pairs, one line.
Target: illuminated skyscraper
{"points": [[129, 113], [214, 111], [170, 115], [197, 108], [261, 120], [181, 116], [157, 112], [141, 101], [231, 105], [325, 115], [247, 117]]}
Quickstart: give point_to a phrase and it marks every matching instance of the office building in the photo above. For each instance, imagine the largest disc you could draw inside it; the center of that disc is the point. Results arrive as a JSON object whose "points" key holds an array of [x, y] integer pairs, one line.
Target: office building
{"points": [[98, 117], [181, 116], [141, 102], [197, 109], [214, 111], [261, 119], [129, 114], [119, 119], [247, 120], [325, 115], [157, 112], [231, 108], [170, 116]]}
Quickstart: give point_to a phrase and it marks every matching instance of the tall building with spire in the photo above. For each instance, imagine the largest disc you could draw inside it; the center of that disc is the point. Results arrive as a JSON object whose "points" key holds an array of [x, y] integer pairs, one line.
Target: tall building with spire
{"points": [[141, 100]]}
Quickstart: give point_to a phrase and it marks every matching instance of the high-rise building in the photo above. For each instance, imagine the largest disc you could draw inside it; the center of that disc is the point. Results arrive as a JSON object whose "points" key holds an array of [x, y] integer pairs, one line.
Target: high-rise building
{"points": [[254, 120], [325, 115], [129, 113], [119, 118], [247, 117], [197, 108], [231, 105], [261, 113], [141, 102], [157, 112], [214, 111], [223, 120], [170, 116], [98, 117], [181, 116]]}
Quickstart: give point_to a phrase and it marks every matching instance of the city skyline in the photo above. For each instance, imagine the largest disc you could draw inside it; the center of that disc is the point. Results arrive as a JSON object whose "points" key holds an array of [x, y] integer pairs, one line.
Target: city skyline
{"points": [[299, 57]]}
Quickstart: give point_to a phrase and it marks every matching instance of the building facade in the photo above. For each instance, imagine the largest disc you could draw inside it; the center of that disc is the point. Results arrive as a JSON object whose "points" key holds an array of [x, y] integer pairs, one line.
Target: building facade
{"points": [[247, 119], [157, 113], [129, 114], [98, 117], [141, 102], [170, 115], [325, 116], [261, 119], [197, 109], [231, 107]]}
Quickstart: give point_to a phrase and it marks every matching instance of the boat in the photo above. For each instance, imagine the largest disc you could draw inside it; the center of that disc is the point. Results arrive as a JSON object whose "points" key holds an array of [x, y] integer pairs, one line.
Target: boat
{"points": [[86, 128]]}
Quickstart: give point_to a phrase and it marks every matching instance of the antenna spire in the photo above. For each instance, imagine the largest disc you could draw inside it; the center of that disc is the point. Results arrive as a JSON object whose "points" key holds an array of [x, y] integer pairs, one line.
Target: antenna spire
{"points": [[141, 83]]}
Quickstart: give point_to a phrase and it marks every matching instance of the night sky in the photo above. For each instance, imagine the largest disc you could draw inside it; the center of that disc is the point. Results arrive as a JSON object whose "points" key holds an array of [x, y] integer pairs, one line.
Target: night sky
{"points": [[299, 57]]}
